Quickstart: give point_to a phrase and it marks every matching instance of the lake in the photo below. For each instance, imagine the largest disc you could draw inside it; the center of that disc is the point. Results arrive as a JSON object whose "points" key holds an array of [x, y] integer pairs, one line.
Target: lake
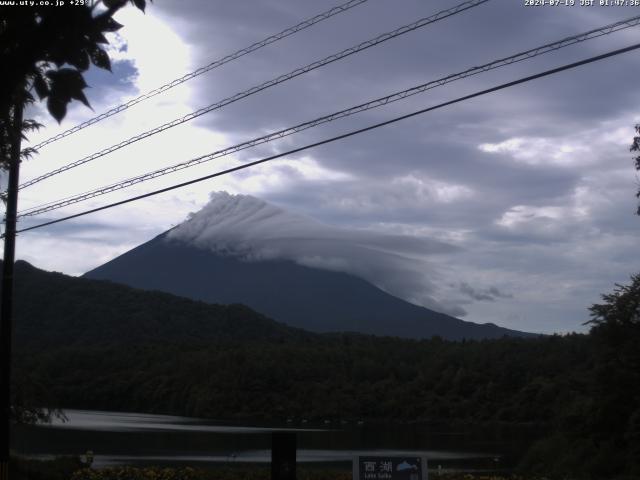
{"points": [[145, 439]]}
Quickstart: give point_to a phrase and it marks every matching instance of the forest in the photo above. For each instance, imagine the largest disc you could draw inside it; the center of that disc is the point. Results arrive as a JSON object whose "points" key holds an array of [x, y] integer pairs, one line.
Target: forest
{"points": [[97, 345]]}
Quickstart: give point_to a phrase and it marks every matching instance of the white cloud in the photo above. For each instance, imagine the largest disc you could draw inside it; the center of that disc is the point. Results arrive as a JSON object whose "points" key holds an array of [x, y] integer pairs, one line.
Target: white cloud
{"points": [[428, 189], [542, 151], [283, 174], [520, 215]]}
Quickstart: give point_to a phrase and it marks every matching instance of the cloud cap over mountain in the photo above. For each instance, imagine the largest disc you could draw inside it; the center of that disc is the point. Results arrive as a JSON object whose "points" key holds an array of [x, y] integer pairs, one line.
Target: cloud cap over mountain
{"points": [[247, 227]]}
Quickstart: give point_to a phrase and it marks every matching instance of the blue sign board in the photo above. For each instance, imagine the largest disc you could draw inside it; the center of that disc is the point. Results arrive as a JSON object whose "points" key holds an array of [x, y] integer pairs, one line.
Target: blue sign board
{"points": [[389, 468]]}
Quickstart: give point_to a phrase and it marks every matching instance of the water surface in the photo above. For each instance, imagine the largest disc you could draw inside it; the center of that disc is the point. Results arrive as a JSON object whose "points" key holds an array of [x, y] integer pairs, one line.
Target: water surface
{"points": [[145, 439]]}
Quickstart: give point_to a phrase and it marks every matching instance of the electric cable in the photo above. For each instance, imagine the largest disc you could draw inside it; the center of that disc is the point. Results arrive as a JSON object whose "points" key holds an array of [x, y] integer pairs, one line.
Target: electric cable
{"points": [[253, 90], [215, 64], [531, 53], [342, 136]]}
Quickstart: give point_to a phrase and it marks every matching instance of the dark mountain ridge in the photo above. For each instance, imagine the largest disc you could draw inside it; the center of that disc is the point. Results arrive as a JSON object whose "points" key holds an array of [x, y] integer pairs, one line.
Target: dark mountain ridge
{"points": [[312, 299], [56, 310]]}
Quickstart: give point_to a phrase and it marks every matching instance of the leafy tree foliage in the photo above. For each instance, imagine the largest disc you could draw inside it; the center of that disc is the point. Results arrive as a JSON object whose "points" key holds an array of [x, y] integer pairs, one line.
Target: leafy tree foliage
{"points": [[46, 50], [616, 414], [621, 308], [95, 344], [635, 147]]}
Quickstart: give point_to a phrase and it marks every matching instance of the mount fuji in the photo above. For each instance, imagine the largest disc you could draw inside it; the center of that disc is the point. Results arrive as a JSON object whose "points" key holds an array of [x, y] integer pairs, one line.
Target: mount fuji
{"points": [[239, 249]]}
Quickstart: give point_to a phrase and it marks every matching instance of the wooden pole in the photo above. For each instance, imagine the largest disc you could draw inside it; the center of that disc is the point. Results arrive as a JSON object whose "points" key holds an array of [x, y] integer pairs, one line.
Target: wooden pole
{"points": [[283, 456], [6, 301]]}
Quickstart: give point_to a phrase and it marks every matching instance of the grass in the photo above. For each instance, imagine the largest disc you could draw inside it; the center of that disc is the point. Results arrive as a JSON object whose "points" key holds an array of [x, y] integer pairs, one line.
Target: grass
{"points": [[71, 468], [60, 468]]}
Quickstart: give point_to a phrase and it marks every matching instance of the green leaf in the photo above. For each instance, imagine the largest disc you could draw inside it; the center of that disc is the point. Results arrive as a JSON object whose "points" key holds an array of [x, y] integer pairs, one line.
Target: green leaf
{"points": [[40, 85], [114, 3], [67, 79], [66, 84], [100, 58], [110, 25], [57, 108], [79, 59], [30, 125], [141, 4], [98, 37], [79, 95], [28, 152]]}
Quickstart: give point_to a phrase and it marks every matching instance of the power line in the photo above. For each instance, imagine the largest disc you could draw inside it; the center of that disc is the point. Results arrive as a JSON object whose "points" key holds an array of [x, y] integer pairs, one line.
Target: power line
{"points": [[275, 81], [344, 135], [215, 64], [605, 30]]}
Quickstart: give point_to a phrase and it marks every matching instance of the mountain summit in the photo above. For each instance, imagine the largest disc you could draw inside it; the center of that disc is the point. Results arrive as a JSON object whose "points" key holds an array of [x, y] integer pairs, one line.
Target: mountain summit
{"points": [[239, 249]]}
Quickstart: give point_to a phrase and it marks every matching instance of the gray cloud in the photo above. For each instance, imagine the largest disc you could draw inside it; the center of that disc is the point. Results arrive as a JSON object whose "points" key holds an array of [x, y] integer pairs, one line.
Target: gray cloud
{"points": [[254, 230], [534, 185], [490, 294]]}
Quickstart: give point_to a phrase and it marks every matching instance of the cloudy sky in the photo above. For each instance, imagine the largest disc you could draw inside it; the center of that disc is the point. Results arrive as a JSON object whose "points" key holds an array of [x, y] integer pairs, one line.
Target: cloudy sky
{"points": [[529, 191]]}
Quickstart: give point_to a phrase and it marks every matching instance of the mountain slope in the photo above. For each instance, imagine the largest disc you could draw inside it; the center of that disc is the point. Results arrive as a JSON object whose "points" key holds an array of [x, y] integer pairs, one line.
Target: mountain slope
{"points": [[55, 310], [312, 299], [91, 344]]}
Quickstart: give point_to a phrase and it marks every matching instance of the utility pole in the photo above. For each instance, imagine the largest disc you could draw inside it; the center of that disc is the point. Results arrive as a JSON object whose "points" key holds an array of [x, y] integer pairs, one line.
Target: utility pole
{"points": [[283, 456], [6, 302]]}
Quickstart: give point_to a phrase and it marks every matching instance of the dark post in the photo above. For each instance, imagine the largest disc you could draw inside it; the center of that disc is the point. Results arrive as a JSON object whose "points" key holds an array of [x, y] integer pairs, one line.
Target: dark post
{"points": [[6, 301], [283, 456]]}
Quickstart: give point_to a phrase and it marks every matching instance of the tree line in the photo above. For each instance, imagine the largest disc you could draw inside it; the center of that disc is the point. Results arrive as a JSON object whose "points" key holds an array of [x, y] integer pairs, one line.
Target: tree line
{"points": [[97, 345]]}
